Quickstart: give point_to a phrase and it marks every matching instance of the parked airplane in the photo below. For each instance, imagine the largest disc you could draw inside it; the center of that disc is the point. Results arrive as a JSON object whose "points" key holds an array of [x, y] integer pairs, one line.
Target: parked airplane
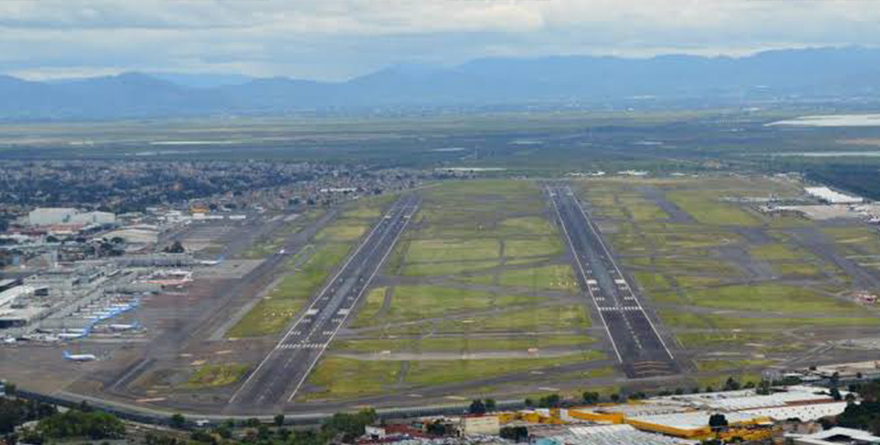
{"points": [[124, 327], [79, 357]]}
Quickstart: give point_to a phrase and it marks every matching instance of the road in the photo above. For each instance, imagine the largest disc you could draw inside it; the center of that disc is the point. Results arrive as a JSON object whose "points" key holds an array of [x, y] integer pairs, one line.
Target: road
{"points": [[282, 373], [637, 344]]}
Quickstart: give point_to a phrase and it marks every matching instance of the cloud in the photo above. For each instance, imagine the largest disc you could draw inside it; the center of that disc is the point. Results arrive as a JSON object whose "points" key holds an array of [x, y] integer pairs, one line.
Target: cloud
{"points": [[334, 39]]}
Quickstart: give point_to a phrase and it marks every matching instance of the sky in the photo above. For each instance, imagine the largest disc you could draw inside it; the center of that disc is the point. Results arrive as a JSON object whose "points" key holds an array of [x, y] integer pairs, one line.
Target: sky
{"points": [[340, 39]]}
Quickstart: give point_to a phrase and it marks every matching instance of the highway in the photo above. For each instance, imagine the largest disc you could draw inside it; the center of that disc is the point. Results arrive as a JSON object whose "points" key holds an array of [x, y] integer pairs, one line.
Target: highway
{"points": [[278, 378], [637, 345]]}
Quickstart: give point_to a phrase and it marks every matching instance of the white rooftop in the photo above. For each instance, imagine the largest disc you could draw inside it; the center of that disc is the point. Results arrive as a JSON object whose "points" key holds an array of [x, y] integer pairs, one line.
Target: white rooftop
{"points": [[835, 436], [749, 399], [826, 194], [618, 435], [805, 413], [691, 420]]}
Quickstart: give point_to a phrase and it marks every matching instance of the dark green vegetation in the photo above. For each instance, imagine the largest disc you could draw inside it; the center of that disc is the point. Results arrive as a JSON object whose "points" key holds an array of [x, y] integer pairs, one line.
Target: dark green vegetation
{"points": [[93, 425], [14, 412]]}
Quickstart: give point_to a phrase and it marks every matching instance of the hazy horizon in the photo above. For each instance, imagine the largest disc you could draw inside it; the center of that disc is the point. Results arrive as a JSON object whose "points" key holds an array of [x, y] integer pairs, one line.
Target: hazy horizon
{"points": [[341, 39]]}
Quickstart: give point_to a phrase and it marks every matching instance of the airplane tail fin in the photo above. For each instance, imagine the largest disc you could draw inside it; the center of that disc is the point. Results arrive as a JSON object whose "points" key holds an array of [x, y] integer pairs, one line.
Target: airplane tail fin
{"points": [[66, 355]]}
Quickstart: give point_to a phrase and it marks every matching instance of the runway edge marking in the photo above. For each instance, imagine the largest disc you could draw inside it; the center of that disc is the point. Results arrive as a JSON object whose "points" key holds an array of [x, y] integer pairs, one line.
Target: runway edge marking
{"points": [[314, 301], [619, 273], [356, 300], [584, 275]]}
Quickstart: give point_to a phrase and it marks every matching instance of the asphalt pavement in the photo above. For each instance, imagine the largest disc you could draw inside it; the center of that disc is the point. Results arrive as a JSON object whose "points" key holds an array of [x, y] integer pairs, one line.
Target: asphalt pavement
{"points": [[637, 345], [279, 377]]}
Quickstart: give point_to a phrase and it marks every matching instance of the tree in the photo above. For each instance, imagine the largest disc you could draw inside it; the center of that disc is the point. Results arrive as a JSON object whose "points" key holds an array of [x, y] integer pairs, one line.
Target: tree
{"points": [[264, 433], [717, 421], [529, 403], [177, 421], [550, 401], [201, 435], [835, 394], [95, 425], [223, 432], [477, 407], [615, 397], [491, 405], [177, 247], [283, 434], [515, 433], [350, 426], [252, 422], [731, 384], [590, 397], [437, 428], [279, 419]]}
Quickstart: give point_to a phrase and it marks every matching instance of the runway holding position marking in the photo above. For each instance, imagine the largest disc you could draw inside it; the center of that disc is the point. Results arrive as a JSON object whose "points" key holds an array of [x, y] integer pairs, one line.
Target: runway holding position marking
{"points": [[636, 342], [284, 370]]}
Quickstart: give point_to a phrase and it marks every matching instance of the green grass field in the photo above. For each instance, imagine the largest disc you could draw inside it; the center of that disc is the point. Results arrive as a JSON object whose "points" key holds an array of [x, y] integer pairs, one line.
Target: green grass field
{"points": [[283, 302], [214, 376], [546, 277], [770, 298], [706, 207], [462, 344], [418, 302]]}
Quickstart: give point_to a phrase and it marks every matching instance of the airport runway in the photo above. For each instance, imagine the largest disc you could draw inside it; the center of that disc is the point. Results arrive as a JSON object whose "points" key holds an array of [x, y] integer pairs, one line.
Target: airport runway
{"points": [[278, 378], [636, 342]]}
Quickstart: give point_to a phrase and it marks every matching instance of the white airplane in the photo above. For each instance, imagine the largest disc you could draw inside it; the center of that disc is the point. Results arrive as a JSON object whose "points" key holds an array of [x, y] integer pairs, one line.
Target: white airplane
{"points": [[282, 252], [124, 327], [79, 357], [9, 340], [69, 335]]}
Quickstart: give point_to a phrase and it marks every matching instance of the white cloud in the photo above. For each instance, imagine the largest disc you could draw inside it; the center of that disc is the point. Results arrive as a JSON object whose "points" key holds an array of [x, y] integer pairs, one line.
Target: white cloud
{"points": [[339, 38]]}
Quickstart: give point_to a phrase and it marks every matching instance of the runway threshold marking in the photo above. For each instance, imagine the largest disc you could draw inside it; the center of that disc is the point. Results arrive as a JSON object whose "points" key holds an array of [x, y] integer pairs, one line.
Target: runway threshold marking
{"points": [[619, 273], [407, 218], [293, 329], [574, 253]]}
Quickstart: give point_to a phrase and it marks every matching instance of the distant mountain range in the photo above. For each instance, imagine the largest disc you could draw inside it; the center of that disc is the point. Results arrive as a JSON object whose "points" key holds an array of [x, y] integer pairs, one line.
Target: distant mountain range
{"points": [[798, 74]]}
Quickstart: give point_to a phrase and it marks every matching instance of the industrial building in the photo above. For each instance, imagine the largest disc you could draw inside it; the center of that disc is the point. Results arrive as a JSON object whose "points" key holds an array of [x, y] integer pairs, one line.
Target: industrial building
{"points": [[46, 216], [50, 216], [610, 435], [835, 436], [829, 196], [748, 413]]}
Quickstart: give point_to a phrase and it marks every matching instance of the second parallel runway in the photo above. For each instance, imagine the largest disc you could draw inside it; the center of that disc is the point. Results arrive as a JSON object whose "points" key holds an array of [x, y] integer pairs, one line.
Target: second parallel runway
{"points": [[280, 375]]}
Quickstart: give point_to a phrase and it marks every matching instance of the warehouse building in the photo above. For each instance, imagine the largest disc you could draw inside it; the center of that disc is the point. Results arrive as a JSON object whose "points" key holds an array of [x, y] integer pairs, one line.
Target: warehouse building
{"points": [[835, 436], [47, 216], [51, 216]]}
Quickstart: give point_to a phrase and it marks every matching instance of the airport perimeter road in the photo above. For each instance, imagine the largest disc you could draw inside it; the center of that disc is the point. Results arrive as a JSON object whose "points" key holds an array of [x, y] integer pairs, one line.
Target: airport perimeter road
{"points": [[636, 342], [281, 374]]}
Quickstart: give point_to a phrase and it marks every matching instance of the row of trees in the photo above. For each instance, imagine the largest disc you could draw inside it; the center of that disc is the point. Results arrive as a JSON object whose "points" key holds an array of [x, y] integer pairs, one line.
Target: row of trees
{"points": [[342, 427]]}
